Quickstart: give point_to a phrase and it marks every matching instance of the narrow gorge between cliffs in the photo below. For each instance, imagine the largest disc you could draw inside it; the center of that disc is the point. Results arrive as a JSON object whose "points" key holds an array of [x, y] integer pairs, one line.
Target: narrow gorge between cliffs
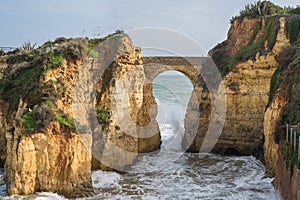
{"points": [[171, 173]]}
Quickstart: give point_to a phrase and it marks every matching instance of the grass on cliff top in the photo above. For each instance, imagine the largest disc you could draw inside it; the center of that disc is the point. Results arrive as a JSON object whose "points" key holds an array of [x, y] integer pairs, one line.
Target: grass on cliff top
{"points": [[264, 9], [92, 43]]}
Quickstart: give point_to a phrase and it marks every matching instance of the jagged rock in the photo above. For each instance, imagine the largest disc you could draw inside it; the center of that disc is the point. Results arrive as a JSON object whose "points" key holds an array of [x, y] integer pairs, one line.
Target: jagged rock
{"points": [[123, 92]]}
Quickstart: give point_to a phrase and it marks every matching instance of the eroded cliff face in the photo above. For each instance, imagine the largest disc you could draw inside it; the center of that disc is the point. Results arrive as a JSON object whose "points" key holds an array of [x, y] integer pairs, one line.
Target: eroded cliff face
{"points": [[131, 128], [271, 132], [43, 150], [46, 145], [248, 85], [241, 32]]}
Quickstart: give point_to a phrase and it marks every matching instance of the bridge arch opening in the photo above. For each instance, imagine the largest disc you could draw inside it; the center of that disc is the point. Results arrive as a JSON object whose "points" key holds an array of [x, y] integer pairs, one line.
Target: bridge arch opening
{"points": [[172, 91]]}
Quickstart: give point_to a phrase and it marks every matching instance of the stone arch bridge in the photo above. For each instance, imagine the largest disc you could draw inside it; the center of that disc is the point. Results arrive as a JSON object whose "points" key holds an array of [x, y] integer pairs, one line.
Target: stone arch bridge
{"points": [[243, 141]]}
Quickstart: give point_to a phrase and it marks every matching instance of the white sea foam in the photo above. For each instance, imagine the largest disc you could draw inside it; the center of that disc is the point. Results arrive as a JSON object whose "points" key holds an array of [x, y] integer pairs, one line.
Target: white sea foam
{"points": [[103, 179], [48, 196]]}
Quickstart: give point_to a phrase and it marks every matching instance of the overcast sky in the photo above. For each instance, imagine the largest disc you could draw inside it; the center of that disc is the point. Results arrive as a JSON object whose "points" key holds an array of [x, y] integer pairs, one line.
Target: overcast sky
{"points": [[206, 21]]}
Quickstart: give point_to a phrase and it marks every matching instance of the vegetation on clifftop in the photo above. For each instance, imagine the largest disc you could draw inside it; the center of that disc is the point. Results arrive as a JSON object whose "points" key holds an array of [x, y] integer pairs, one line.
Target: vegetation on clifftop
{"points": [[55, 60], [264, 9]]}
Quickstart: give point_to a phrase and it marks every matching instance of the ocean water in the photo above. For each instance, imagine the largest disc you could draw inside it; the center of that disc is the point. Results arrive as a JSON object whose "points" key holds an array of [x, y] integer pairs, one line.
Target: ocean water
{"points": [[171, 173]]}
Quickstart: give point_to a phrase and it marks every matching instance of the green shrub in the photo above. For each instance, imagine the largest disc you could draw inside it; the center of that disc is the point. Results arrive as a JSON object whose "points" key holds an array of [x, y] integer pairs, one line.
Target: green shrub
{"points": [[48, 44], [24, 56], [292, 11], [292, 29], [286, 151], [103, 115], [93, 53], [227, 64], [24, 83], [54, 60], [296, 60], [94, 42], [49, 103], [257, 28], [64, 119], [293, 162], [271, 31], [116, 33], [30, 120]]}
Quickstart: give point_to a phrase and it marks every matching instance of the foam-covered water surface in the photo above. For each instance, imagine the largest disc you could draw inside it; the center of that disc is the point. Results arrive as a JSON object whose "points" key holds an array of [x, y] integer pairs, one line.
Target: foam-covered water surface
{"points": [[190, 177]]}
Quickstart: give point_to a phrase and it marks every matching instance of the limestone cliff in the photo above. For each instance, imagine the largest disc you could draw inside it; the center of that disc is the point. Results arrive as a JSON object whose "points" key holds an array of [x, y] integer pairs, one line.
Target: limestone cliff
{"points": [[131, 129], [247, 60], [44, 143], [260, 65], [271, 119], [43, 151]]}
